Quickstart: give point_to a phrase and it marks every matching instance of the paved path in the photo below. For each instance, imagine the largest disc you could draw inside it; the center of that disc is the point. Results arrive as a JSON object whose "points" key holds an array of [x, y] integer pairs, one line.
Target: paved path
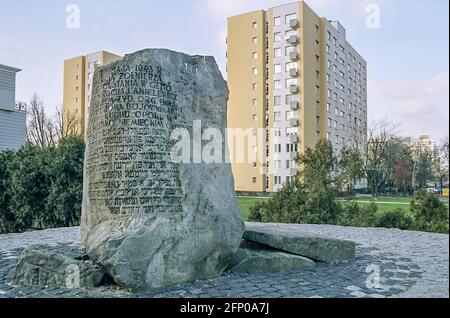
{"points": [[390, 263], [377, 202]]}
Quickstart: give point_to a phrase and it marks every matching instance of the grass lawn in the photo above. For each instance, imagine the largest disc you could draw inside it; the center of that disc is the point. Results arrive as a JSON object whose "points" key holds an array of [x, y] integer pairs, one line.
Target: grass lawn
{"points": [[384, 199], [245, 203], [383, 207]]}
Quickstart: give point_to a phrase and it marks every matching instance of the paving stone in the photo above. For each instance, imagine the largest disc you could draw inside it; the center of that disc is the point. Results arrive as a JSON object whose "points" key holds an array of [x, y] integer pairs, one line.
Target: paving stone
{"points": [[424, 257]]}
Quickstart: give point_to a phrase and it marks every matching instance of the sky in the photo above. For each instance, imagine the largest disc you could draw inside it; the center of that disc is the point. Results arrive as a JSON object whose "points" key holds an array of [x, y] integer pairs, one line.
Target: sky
{"points": [[407, 51]]}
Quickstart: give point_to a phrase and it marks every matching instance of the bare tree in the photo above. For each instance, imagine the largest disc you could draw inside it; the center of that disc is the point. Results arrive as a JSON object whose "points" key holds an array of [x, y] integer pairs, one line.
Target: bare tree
{"points": [[381, 135], [441, 162], [67, 124], [40, 129]]}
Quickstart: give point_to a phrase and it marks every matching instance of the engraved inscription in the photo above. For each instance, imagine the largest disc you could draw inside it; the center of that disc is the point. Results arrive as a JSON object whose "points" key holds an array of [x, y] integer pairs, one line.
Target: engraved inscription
{"points": [[128, 158]]}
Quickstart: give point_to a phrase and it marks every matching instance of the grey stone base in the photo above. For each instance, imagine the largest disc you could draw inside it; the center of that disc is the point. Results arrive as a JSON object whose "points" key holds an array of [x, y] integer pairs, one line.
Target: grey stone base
{"points": [[255, 258], [313, 246], [48, 269]]}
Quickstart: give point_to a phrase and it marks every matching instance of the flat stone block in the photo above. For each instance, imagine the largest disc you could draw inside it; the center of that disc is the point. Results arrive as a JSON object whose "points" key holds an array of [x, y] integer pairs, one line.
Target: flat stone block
{"points": [[313, 246], [48, 269], [255, 258]]}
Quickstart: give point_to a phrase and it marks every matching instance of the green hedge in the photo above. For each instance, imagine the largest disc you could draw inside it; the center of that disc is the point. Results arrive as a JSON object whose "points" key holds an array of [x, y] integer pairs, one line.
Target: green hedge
{"points": [[41, 188], [295, 205]]}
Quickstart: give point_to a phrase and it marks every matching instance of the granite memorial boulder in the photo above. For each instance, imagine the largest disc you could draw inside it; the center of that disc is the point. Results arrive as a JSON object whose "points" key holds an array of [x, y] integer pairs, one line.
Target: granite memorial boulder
{"points": [[149, 218]]}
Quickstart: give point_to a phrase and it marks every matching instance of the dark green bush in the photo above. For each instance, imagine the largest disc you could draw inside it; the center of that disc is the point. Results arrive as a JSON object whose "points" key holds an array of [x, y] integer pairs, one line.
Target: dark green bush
{"points": [[430, 214], [7, 218], [29, 187], [66, 183], [294, 204], [396, 219], [41, 188]]}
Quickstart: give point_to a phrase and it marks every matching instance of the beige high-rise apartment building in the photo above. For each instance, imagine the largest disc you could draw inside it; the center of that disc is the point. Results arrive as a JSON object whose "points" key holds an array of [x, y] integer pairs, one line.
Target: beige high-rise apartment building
{"points": [[294, 78], [78, 74]]}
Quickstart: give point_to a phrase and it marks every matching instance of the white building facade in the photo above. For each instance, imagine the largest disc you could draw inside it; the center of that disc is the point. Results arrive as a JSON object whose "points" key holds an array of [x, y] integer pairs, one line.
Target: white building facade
{"points": [[12, 117]]}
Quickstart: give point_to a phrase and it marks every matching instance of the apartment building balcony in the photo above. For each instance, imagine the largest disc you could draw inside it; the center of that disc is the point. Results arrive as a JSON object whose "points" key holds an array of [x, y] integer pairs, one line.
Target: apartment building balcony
{"points": [[294, 105], [293, 40], [295, 139], [293, 56], [294, 122], [293, 72], [293, 155], [293, 89], [294, 24]]}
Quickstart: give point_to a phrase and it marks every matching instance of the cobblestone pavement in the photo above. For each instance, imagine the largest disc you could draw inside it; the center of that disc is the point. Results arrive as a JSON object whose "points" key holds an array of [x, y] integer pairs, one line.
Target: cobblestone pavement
{"points": [[389, 263]]}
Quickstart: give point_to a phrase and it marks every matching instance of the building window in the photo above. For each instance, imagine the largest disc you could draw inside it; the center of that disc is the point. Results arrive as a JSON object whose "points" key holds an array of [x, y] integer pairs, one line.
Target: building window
{"points": [[291, 148], [277, 132], [254, 180], [291, 81], [290, 98], [277, 21], [277, 100], [255, 55], [291, 131], [277, 116], [255, 71], [255, 40], [277, 37], [255, 86], [277, 180], [291, 114], [328, 107], [277, 84], [277, 148], [277, 164], [290, 49], [290, 17], [255, 117], [277, 68], [277, 52], [255, 102], [328, 78], [291, 65], [255, 25]]}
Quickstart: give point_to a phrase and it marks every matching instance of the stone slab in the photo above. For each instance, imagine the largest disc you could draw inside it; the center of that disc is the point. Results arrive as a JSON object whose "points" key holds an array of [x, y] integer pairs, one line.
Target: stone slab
{"points": [[316, 247], [44, 268], [255, 258]]}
